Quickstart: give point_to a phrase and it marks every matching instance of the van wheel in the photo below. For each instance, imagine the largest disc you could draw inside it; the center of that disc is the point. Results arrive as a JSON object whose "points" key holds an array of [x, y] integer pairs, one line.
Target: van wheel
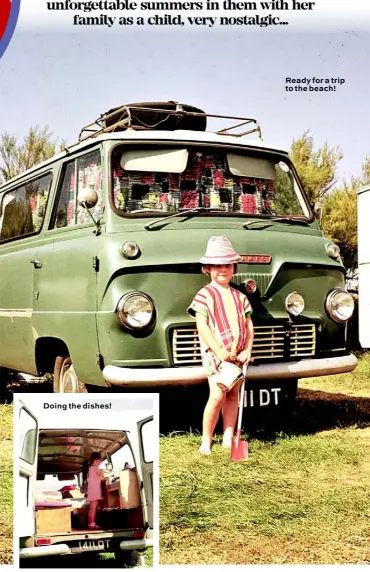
{"points": [[127, 558], [65, 379], [6, 396]]}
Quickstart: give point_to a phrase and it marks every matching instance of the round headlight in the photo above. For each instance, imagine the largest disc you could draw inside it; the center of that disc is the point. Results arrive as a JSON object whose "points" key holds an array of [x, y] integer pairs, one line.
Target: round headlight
{"points": [[135, 311], [130, 249], [333, 251], [294, 304], [339, 305]]}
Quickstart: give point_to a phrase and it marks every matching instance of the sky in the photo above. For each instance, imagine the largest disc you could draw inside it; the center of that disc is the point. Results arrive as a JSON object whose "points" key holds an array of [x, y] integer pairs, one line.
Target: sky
{"points": [[65, 77]]}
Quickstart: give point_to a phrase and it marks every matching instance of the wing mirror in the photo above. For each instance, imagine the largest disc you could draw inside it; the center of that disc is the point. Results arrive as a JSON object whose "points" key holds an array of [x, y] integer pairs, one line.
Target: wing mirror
{"points": [[87, 198]]}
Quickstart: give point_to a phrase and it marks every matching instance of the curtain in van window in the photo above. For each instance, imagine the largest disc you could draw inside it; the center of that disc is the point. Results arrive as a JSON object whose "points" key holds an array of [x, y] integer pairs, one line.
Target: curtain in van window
{"points": [[65, 214], [90, 176], [83, 173], [23, 209], [206, 182]]}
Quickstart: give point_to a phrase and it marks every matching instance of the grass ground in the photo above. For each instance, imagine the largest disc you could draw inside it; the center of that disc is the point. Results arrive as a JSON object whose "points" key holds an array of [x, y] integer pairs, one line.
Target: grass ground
{"points": [[109, 558], [86, 560], [6, 484], [302, 497], [356, 383]]}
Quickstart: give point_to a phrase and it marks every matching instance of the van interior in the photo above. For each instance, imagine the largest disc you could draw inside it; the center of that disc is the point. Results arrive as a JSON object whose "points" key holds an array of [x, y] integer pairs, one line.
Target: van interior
{"points": [[61, 503]]}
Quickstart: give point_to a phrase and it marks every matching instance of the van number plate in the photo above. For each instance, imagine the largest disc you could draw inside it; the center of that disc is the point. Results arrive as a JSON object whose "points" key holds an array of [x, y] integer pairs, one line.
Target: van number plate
{"points": [[93, 545], [261, 397]]}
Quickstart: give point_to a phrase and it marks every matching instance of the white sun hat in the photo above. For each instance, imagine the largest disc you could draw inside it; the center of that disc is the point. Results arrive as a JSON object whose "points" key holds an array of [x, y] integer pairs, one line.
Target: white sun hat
{"points": [[220, 251]]}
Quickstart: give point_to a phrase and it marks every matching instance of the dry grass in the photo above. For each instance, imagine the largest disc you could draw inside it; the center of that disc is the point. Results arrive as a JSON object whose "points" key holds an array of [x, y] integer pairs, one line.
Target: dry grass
{"points": [[92, 560], [302, 497], [355, 384], [6, 484]]}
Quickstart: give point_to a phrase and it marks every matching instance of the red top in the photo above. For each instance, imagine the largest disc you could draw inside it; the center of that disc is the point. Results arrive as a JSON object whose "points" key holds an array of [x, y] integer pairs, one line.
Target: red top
{"points": [[5, 6], [229, 328]]}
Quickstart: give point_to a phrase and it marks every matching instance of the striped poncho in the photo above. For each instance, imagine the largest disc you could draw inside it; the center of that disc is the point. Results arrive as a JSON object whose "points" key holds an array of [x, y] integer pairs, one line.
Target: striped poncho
{"points": [[227, 311]]}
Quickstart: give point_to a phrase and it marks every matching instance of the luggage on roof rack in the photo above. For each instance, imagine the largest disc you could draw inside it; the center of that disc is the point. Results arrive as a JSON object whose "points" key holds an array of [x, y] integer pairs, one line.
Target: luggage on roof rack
{"points": [[164, 116], [152, 115]]}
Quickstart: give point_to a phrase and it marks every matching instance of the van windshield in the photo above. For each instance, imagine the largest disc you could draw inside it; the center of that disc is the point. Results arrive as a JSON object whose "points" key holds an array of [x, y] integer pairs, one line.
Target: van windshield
{"points": [[168, 180]]}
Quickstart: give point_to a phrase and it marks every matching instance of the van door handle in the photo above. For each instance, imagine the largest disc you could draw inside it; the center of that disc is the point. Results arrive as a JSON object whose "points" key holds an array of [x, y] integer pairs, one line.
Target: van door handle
{"points": [[36, 263]]}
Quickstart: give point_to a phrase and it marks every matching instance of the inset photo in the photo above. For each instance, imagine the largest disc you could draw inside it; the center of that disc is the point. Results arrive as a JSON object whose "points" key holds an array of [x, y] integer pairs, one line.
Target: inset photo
{"points": [[86, 480]]}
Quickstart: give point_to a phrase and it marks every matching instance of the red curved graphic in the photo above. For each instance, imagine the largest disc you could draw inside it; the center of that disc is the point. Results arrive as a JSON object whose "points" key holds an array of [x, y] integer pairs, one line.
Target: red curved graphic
{"points": [[5, 6]]}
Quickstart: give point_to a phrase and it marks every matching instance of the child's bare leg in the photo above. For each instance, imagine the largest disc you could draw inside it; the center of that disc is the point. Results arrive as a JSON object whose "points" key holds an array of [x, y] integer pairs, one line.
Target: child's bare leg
{"points": [[211, 414], [229, 414], [92, 512]]}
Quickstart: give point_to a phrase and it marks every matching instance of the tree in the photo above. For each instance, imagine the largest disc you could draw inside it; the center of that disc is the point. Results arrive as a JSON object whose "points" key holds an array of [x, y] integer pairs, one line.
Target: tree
{"points": [[339, 221], [366, 171], [37, 146], [316, 167]]}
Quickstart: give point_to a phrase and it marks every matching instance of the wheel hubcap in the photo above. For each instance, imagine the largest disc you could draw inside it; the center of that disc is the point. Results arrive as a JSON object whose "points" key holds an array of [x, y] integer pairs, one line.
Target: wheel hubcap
{"points": [[68, 379]]}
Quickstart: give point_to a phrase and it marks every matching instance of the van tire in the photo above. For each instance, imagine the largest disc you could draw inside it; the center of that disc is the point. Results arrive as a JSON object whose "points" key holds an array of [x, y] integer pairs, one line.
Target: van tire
{"points": [[6, 396], [127, 558], [65, 379]]}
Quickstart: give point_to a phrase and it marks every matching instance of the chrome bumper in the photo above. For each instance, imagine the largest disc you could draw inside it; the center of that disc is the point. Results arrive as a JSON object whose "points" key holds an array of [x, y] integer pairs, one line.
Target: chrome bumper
{"points": [[161, 377], [60, 549], [136, 544], [51, 550]]}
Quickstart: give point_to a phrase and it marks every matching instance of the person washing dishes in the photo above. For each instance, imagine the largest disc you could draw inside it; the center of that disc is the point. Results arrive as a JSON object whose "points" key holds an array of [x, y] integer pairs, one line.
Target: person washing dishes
{"points": [[94, 487]]}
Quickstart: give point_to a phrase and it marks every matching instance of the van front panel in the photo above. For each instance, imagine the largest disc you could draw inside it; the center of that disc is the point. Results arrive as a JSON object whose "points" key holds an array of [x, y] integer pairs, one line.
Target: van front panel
{"points": [[168, 272]]}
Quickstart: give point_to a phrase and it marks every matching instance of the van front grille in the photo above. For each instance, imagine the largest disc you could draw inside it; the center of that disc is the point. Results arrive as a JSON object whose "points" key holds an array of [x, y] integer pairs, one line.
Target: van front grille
{"points": [[302, 340], [272, 342]]}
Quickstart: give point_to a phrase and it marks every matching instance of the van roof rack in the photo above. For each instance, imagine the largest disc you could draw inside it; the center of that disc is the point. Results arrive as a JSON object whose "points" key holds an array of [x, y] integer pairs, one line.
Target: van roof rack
{"points": [[132, 116]]}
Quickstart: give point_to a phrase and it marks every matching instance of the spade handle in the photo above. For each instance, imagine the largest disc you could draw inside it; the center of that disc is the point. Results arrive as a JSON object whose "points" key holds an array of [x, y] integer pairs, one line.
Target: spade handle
{"points": [[241, 399]]}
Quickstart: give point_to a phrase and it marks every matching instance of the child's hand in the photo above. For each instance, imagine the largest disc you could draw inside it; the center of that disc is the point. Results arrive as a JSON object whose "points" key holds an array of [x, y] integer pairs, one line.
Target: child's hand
{"points": [[223, 354], [244, 357], [233, 355]]}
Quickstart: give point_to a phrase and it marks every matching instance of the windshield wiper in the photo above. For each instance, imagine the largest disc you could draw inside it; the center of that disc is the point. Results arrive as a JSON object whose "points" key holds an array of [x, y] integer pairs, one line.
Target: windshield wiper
{"points": [[292, 219], [148, 210], [287, 219], [185, 212]]}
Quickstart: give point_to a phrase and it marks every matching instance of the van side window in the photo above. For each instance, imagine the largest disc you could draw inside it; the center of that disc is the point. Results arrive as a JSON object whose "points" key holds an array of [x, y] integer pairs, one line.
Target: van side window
{"points": [[22, 209], [84, 172], [121, 459], [148, 440]]}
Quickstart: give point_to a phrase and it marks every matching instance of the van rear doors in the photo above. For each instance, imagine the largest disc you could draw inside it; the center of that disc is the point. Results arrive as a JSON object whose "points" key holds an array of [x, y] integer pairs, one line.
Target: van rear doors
{"points": [[28, 447], [147, 444]]}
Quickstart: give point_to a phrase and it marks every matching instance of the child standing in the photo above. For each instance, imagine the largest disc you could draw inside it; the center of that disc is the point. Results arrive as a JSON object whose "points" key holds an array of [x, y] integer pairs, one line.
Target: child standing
{"points": [[226, 334], [94, 490]]}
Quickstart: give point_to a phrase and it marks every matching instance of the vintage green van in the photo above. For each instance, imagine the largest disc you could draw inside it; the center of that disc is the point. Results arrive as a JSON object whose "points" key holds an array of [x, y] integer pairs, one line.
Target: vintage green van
{"points": [[99, 251]]}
